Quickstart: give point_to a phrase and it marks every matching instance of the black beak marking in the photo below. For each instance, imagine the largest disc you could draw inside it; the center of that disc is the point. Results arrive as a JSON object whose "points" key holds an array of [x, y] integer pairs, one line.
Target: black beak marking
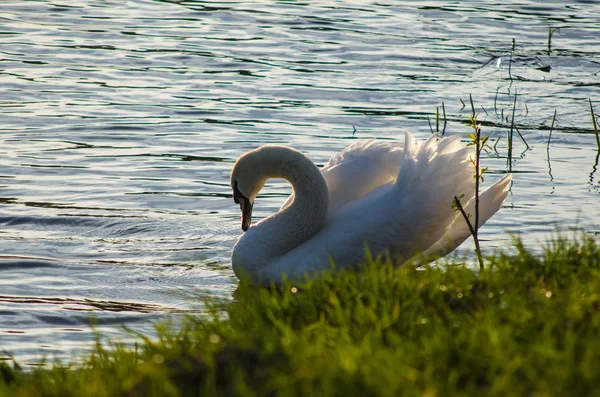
{"points": [[237, 195], [245, 206]]}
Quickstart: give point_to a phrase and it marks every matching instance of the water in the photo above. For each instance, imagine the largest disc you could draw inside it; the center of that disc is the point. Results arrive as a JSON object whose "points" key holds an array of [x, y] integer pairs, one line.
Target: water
{"points": [[120, 122]]}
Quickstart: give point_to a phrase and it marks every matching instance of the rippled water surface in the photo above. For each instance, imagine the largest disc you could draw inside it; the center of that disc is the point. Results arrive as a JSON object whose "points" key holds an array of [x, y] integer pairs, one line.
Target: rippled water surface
{"points": [[120, 121]]}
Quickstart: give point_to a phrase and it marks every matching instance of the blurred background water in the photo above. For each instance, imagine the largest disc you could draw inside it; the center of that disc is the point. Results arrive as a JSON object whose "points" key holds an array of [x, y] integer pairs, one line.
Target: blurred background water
{"points": [[120, 121]]}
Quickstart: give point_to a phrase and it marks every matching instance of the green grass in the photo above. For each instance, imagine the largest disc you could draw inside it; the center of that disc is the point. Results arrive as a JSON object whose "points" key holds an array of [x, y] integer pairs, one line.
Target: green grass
{"points": [[527, 325]]}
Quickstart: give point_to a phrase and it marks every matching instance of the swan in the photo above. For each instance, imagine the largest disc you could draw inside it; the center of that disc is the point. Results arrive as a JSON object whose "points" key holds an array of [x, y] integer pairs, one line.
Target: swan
{"points": [[394, 199]]}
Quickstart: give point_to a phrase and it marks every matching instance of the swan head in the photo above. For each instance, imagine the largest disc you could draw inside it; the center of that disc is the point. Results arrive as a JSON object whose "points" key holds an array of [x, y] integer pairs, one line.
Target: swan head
{"points": [[247, 179]]}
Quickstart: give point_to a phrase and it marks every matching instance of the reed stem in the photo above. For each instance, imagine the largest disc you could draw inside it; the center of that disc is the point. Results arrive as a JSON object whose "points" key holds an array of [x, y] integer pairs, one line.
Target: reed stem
{"points": [[594, 124]]}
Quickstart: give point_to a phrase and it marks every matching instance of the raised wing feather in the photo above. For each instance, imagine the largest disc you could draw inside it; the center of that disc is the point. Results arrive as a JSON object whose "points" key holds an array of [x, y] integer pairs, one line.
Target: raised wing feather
{"points": [[358, 170], [490, 202]]}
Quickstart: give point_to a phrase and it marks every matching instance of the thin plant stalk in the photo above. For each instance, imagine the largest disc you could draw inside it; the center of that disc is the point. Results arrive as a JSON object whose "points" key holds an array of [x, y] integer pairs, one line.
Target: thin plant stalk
{"points": [[512, 50], [551, 129], [523, 139], [430, 127], [472, 106], [496, 100], [459, 206], [548, 146], [438, 118], [550, 33], [477, 180], [595, 167], [594, 124], [496, 144], [510, 134], [445, 119], [480, 144]]}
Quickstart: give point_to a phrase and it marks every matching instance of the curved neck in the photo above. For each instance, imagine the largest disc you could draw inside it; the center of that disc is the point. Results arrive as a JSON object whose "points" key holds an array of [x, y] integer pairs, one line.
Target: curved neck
{"points": [[292, 225]]}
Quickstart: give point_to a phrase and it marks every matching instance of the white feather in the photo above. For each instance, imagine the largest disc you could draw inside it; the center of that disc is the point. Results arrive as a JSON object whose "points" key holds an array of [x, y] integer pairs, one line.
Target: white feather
{"points": [[396, 200]]}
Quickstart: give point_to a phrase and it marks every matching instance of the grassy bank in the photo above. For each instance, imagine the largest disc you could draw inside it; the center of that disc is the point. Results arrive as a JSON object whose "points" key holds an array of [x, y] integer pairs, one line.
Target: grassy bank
{"points": [[527, 325]]}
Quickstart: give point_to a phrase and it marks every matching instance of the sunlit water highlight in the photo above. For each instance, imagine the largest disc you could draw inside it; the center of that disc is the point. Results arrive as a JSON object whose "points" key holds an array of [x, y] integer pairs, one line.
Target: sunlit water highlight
{"points": [[120, 122]]}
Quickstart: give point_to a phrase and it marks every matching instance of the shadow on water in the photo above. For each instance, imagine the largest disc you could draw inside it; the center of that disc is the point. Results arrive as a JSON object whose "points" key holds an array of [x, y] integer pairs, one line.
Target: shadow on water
{"points": [[89, 304]]}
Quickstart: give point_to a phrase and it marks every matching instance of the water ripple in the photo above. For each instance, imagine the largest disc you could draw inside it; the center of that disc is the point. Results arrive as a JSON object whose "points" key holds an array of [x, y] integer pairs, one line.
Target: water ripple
{"points": [[121, 121]]}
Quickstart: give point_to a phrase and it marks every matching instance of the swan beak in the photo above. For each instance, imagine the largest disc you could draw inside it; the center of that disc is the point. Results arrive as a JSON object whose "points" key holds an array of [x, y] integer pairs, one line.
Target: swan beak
{"points": [[246, 208]]}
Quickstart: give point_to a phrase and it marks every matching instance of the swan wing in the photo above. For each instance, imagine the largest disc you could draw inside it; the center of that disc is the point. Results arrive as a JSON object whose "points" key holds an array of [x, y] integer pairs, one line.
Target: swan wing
{"points": [[357, 170], [398, 219], [490, 202]]}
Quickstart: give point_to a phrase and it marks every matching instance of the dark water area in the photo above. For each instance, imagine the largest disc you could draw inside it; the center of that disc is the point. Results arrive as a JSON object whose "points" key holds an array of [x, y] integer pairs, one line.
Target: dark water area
{"points": [[120, 122]]}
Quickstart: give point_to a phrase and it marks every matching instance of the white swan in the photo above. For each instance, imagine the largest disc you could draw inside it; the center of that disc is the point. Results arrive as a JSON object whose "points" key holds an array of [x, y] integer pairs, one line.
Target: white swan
{"points": [[396, 200]]}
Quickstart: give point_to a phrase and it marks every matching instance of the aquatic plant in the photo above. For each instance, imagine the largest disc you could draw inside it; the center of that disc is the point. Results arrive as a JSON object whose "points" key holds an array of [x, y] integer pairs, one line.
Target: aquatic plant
{"points": [[551, 32], [594, 124], [480, 144]]}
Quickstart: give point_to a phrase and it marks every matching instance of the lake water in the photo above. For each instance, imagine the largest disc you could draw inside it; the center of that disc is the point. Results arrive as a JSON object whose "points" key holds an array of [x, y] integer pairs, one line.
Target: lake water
{"points": [[120, 121]]}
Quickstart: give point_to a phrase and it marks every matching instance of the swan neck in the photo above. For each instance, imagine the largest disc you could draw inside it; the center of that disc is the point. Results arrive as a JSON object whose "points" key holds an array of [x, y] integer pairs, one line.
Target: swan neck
{"points": [[292, 225]]}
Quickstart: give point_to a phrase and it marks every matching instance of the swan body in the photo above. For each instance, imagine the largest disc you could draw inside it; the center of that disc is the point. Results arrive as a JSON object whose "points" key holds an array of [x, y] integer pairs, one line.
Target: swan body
{"points": [[396, 200]]}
